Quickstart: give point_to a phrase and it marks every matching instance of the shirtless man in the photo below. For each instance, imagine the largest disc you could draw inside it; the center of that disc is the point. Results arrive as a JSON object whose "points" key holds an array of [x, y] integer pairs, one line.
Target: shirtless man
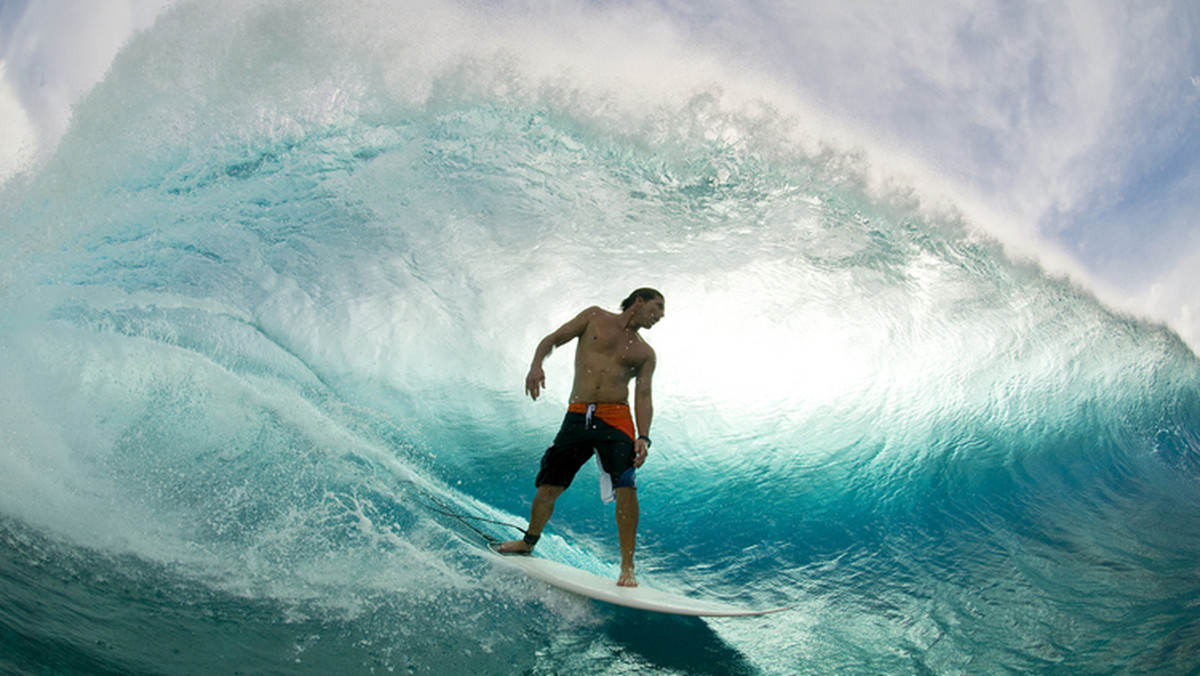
{"points": [[609, 354]]}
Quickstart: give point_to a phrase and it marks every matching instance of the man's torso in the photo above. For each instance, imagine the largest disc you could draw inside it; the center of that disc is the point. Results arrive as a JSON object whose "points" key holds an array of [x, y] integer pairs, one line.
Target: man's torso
{"points": [[607, 357]]}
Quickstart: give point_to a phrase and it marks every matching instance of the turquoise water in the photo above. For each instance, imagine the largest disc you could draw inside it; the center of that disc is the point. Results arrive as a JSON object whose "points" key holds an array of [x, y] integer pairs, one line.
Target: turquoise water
{"points": [[267, 313]]}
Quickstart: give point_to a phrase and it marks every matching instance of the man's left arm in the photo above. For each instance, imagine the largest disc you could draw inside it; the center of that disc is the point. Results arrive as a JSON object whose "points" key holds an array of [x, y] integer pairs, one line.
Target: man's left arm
{"points": [[643, 409]]}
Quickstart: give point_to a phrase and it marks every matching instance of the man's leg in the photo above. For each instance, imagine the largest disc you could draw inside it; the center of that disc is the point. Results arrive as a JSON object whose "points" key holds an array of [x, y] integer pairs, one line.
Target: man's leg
{"points": [[539, 514], [627, 523]]}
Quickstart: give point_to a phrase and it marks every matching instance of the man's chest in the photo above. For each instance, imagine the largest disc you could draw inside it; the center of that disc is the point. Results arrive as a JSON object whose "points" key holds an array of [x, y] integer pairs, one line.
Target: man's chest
{"points": [[614, 344]]}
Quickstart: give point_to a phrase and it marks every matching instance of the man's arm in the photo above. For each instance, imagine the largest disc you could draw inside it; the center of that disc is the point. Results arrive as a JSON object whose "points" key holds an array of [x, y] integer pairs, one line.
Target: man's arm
{"points": [[643, 408], [536, 379]]}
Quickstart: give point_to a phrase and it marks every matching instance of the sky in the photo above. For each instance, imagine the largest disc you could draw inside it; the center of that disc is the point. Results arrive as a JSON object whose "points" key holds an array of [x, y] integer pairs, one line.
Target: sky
{"points": [[1073, 122]]}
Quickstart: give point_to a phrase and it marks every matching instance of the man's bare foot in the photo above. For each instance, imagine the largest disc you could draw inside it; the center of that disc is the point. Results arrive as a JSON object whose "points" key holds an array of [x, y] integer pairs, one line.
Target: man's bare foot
{"points": [[514, 547], [627, 579]]}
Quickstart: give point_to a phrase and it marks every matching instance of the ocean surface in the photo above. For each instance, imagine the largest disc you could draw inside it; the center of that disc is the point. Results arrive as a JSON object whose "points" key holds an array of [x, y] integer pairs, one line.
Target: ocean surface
{"points": [[265, 318]]}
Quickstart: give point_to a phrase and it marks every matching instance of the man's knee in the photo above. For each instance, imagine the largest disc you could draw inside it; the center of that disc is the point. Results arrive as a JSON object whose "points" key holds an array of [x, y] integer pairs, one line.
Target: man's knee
{"points": [[549, 492]]}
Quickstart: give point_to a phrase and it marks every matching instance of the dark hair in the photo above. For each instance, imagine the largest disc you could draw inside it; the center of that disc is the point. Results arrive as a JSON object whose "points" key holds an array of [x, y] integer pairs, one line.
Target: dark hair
{"points": [[645, 293]]}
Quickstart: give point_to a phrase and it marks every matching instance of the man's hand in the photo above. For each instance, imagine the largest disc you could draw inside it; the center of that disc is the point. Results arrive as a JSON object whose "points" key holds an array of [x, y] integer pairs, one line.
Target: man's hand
{"points": [[639, 453], [535, 381]]}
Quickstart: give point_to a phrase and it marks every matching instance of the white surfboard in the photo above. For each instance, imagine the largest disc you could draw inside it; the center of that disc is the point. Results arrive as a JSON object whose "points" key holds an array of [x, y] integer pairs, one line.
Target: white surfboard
{"points": [[605, 589]]}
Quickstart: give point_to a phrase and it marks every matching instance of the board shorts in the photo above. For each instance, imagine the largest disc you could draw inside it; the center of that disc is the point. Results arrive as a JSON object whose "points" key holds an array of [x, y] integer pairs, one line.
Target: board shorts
{"points": [[603, 431]]}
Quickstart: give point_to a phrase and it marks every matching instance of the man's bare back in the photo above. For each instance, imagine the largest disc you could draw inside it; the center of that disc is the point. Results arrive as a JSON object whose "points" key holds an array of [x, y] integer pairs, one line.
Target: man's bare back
{"points": [[608, 355]]}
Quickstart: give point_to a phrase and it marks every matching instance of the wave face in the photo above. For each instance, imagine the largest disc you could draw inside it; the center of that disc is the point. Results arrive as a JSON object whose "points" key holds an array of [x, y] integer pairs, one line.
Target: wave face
{"points": [[266, 317]]}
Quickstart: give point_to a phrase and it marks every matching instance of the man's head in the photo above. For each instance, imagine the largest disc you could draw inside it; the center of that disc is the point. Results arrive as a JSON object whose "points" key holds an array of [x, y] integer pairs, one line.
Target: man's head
{"points": [[647, 304], [645, 293]]}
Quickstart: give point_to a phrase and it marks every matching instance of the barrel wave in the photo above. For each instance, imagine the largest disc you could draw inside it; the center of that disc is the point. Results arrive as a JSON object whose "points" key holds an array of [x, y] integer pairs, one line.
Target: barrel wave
{"points": [[267, 311]]}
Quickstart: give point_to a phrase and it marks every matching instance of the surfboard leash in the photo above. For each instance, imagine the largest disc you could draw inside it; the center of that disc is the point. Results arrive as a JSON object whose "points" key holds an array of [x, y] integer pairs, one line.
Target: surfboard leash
{"points": [[441, 508]]}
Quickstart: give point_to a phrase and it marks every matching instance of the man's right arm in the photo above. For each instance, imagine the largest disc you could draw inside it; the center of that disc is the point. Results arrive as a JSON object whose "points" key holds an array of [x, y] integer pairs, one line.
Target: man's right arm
{"points": [[536, 380]]}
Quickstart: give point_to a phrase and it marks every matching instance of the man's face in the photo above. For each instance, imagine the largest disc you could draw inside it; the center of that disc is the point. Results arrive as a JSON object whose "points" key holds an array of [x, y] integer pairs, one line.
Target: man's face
{"points": [[650, 311]]}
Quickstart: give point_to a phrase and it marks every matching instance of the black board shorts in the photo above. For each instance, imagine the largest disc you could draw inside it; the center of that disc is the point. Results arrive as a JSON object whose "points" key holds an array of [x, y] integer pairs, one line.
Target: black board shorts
{"points": [[604, 431]]}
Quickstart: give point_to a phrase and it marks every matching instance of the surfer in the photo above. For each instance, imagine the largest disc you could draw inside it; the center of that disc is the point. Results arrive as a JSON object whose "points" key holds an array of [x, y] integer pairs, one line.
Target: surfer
{"points": [[609, 353]]}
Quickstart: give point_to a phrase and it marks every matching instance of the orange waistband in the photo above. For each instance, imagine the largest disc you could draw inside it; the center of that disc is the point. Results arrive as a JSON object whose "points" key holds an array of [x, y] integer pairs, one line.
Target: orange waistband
{"points": [[617, 415]]}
